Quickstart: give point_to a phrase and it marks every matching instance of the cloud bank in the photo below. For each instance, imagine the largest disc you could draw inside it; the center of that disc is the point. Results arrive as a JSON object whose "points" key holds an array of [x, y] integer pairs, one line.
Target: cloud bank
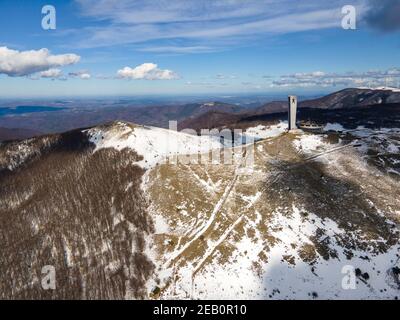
{"points": [[372, 78], [24, 63]]}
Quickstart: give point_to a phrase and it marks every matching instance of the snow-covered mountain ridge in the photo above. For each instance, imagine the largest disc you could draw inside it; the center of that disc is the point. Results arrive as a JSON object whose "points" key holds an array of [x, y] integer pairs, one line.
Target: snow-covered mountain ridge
{"points": [[118, 220]]}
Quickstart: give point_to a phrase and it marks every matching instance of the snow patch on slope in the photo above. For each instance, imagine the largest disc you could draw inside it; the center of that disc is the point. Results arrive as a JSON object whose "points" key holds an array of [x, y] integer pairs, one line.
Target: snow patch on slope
{"points": [[334, 127], [246, 276], [301, 280], [388, 88], [154, 144], [309, 143], [263, 132]]}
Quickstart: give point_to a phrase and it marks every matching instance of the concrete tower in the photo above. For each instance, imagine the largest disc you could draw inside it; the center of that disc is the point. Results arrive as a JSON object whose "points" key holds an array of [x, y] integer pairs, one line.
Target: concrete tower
{"points": [[292, 112]]}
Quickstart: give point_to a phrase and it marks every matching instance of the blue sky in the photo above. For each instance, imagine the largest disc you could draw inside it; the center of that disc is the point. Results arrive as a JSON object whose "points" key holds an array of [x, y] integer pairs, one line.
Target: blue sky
{"points": [[136, 47]]}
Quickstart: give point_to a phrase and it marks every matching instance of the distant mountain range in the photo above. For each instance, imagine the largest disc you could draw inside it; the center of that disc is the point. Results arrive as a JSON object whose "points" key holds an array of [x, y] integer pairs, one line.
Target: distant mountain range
{"points": [[193, 115], [71, 118], [344, 99]]}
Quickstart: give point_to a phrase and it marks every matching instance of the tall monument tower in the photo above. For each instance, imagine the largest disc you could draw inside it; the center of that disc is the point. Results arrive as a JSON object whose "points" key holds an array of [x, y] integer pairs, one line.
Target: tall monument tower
{"points": [[292, 100]]}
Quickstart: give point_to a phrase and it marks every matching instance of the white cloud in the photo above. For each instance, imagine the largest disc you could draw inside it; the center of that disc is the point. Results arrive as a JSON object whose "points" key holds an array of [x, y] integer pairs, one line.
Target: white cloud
{"points": [[146, 71], [51, 73], [23, 63], [85, 76], [301, 75]]}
